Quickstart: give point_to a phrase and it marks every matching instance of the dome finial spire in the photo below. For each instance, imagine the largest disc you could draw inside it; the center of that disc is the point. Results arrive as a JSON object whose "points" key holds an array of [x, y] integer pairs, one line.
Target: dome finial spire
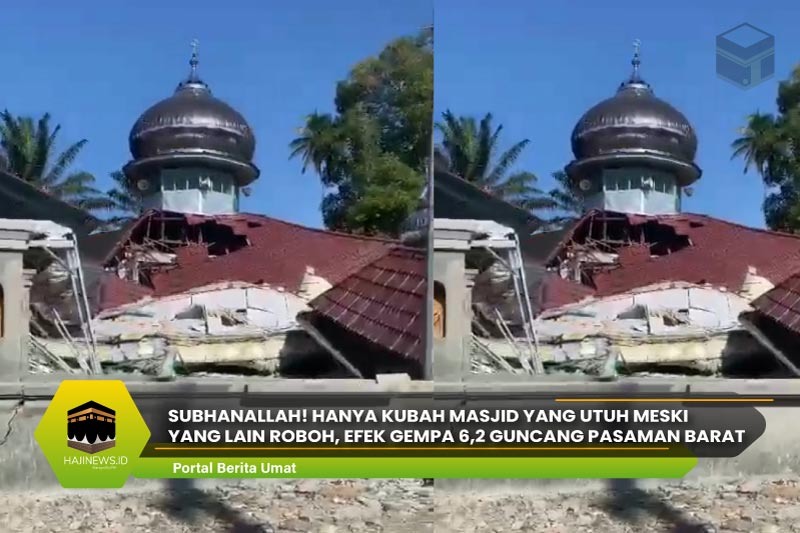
{"points": [[194, 61], [635, 81], [193, 81], [636, 61]]}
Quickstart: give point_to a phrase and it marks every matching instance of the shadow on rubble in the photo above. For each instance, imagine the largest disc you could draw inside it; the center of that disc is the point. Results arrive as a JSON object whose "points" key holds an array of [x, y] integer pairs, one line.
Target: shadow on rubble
{"points": [[631, 504], [186, 503], [192, 505]]}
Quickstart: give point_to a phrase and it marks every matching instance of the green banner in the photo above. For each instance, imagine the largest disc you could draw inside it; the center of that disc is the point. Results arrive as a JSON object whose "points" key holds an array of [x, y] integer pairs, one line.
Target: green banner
{"points": [[425, 467]]}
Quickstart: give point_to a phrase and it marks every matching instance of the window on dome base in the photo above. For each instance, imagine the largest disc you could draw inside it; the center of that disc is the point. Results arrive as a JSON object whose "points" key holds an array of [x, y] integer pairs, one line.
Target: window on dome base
{"points": [[638, 190], [625, 179], [195, 190]]}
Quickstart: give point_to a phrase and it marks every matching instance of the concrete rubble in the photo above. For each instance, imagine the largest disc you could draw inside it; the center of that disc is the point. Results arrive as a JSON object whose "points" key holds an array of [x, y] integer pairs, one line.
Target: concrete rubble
{"points": [[235, 325], [605, 304], [188, 294], [663, 327], [30, 249]]}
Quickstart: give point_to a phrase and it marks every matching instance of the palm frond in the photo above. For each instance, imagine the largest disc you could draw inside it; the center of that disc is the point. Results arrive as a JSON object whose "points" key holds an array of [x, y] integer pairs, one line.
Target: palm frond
{"points": [[484, 147], [64, 160], [30, 145], [43, 141], [506, 160]]}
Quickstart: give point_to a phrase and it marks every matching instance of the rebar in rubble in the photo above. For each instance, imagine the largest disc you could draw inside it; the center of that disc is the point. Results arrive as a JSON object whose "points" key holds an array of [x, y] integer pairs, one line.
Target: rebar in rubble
{"points": [[492, 356], [79, 355], [503, 327], [50, 356]]}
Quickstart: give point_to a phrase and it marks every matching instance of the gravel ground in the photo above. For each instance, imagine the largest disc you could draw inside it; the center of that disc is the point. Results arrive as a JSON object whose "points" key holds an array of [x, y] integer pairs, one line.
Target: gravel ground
{"points": [[751, 507], [292, 506], [323, 506]]}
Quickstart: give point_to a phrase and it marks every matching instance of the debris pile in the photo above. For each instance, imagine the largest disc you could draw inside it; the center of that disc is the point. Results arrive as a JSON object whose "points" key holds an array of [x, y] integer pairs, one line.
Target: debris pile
{"points": [[177, 293], [629, 294]]}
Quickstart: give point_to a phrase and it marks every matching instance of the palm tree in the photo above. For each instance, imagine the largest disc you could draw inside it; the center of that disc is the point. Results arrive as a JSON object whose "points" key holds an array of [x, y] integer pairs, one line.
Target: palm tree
{"points": [[32, 156], [127, 201], [321, 146], [567, 197], [471, 152], [764, 146]]}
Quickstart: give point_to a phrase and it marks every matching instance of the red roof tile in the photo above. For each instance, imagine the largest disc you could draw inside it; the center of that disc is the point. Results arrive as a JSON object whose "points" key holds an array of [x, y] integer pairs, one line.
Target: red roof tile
{"points": [[264, 251], [718, 253], [114, 292], [782, 303], [556, 291], [384, 302]]}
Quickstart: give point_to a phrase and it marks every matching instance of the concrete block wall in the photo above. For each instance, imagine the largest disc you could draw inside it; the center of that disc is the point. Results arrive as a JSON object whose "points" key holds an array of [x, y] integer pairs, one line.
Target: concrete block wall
{"points": [[13, 358], [22, 464]]}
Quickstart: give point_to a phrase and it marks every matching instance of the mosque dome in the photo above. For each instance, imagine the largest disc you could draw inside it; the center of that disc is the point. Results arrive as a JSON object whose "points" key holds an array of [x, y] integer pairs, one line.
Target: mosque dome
{"points": [[635, 126], [190, 126]]}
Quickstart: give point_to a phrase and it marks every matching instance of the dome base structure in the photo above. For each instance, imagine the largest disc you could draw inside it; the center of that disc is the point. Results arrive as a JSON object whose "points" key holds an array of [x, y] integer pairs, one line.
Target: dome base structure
{"points": [[149, 168], [684, 173], [197, 187]]}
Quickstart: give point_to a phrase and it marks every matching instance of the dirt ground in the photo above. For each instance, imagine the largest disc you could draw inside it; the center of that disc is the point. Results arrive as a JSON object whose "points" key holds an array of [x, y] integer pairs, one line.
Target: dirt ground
{"points": [[771, 506]]}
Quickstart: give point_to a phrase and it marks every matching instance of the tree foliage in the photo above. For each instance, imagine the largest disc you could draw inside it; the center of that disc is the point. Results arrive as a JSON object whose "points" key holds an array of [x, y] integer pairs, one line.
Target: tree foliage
{"points": [[371, 154], [471, 150], [770, 145], [126, 200], [33, 157], [567, 196]]}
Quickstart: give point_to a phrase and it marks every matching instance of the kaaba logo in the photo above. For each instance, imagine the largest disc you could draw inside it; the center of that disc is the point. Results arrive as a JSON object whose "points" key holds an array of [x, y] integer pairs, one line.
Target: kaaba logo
{"points": [[91, 427]]}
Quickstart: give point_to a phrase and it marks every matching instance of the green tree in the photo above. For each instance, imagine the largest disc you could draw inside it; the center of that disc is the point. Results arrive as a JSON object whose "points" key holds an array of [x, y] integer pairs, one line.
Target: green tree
{"points": [[126, 200], [472, 152], [33, 157], [371, 153], [770, 145]]}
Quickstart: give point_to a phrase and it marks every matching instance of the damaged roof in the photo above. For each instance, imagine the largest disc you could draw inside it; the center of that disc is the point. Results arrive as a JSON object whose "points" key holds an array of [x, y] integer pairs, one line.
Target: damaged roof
{"points": [[456, 198], [684, 247], [782, 303], [96, 247], [383, 302], [554, 291], [21, 200], [242, 247], [540, 247]]}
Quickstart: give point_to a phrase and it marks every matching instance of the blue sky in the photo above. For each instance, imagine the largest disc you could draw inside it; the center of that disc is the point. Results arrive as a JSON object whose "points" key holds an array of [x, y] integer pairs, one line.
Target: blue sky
{"points": [[95, 66], [538, 65]]}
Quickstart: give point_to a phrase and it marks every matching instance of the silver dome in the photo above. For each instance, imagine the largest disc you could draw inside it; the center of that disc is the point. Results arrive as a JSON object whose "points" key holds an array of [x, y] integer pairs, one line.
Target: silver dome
{"points": [[194, 125], [635, 125], [634, 120]]}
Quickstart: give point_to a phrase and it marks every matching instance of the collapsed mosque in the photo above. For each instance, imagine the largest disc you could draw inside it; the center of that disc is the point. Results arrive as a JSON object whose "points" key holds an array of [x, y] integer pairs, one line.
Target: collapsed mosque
{"points": [[194, 285], [634, 284]]}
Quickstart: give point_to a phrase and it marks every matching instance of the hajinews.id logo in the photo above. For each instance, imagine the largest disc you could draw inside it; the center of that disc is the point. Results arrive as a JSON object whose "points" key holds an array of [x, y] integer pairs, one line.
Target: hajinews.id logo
{"points": [[91, 434]]}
